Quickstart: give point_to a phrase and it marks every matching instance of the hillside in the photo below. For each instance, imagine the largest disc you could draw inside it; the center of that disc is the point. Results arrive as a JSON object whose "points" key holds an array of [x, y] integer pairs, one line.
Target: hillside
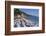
{"points": [[26, 19]]}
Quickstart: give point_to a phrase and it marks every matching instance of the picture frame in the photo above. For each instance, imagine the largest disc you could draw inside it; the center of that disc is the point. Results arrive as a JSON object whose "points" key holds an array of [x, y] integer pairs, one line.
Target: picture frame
{"points": [[11, 6]]}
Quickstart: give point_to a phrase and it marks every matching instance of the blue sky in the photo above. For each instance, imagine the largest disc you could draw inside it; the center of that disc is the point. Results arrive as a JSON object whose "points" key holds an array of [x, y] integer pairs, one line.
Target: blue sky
{"points": [[34, 12]]}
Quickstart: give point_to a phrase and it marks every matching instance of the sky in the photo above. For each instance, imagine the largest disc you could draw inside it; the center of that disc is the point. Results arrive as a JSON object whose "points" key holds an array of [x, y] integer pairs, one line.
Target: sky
{"points": [[34, 12]]}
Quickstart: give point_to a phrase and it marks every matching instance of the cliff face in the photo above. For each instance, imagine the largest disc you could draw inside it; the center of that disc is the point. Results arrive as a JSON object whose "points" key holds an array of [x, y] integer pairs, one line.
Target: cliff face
{"points": [[25, 20]]}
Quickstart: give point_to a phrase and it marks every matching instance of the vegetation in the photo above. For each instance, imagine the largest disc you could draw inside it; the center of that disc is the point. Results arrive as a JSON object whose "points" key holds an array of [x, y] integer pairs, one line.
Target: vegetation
{"points": [[17, 11]]}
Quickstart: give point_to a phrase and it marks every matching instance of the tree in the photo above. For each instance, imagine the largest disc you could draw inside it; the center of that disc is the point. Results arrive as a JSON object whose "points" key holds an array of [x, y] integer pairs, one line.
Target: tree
{"points": [[17, 11]]}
